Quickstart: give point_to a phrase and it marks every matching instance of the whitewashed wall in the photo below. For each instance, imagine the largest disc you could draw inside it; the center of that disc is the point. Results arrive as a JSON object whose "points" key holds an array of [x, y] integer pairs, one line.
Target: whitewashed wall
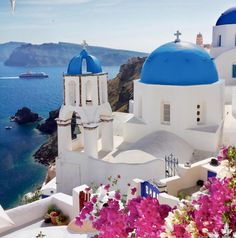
{"points": [[187, 177], [74, 169], [227, 33], [184, 101], [224, 64]]}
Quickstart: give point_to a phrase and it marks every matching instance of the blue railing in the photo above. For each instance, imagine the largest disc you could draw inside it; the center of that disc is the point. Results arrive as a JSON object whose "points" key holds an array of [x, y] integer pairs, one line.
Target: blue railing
{"points": [[148, 189], [211, 174]]}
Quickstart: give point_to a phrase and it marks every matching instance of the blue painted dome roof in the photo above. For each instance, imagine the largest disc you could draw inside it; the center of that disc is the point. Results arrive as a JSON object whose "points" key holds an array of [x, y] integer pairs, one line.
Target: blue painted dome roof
{"points": [[228, 17], [75, 65], [179, 63]]}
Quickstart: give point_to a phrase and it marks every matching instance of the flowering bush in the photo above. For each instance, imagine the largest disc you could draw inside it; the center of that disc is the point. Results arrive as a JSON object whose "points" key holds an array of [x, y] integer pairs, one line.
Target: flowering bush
{"points": [[141, 217], [212, 215]]}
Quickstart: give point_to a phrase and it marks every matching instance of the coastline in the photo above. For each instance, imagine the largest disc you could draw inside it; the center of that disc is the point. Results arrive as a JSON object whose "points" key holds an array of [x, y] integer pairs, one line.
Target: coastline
{"points": [[47, 152], [32, 186], [20, 172]]}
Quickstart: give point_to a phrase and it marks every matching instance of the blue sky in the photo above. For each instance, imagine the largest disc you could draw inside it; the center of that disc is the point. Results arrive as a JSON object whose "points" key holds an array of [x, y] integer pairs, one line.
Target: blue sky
{"points": [[126, 24]]}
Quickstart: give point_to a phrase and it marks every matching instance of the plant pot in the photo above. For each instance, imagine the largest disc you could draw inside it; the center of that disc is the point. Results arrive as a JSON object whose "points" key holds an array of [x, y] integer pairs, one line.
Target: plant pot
{"points": [[53, 216], [62, 220], [47, 218]]}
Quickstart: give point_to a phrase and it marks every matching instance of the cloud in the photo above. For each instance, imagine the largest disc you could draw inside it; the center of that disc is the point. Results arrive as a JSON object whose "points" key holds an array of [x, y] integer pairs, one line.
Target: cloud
{"points": [[108, 3], [99, 3], [54, 2]]}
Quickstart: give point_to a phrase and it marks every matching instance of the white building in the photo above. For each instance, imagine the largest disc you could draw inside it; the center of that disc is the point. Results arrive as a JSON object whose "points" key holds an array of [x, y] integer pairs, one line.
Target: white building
{"points": [[178, 109], [223, 50], [85, 97], [179, 91]]}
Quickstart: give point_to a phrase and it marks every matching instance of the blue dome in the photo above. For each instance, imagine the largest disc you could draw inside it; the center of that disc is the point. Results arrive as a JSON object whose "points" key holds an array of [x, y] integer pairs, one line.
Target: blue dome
{"points": [[179, 63], [75, 65], [228, 17]]}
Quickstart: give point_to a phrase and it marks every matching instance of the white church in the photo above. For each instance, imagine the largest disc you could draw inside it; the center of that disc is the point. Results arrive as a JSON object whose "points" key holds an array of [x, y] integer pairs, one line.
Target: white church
{"points": [[178, 108], [184, 106], [223, 50]]}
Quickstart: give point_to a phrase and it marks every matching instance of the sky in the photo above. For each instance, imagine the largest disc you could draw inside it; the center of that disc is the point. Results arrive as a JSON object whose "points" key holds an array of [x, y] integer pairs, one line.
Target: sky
{"points": [[140, 25]]}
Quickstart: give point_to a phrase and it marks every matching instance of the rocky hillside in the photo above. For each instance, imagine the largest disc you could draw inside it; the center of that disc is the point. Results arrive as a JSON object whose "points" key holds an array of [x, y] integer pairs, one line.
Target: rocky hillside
{"points": [[50, 125], [52, 54], [47, 152], [120, 90]]}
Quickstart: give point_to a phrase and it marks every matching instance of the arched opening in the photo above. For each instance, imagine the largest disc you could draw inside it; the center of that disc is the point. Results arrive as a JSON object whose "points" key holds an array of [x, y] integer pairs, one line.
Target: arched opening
{"points": [[89, 91], [84, 67], [75, 127], [72, 93]]}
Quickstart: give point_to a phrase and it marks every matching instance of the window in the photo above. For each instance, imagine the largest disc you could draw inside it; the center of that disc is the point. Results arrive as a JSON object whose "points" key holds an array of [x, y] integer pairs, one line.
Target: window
{"points": [[234, 71], [219, 41], [235, 40], [199, 114], [166, 113]]}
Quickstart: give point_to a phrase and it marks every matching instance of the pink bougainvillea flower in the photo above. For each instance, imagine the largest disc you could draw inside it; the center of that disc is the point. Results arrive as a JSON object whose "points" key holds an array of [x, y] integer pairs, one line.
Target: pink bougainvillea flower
{"points": [[87, 189], [107, 187], [142, 217], [117, 195], [133, 191]]}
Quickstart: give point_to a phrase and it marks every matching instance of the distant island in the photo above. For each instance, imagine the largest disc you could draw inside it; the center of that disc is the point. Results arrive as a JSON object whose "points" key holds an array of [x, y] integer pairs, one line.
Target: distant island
{"points": [[59, 54], [6, 49]]}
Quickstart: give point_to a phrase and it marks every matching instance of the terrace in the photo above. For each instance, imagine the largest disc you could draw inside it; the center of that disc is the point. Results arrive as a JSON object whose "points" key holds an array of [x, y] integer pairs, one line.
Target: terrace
{"points": [[29, 219], [186, 185]]}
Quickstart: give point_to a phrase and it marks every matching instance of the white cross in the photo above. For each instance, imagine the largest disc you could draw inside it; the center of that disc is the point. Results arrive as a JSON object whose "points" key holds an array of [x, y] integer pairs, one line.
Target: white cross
{"points": [[177, 34], [84, 44], [40, 235]]}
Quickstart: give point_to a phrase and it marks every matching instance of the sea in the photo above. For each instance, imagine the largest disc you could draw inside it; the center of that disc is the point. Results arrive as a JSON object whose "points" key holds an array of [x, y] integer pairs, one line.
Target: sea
{"points": [[19, 173]]}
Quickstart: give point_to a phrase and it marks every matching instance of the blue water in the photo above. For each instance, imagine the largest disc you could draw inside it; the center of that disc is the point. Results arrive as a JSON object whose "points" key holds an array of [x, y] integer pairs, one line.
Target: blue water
{"points": [[19, 173]]}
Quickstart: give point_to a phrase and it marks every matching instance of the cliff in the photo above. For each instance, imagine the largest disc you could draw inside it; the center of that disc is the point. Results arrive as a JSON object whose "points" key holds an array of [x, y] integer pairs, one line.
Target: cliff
{"points": [[120, 90], [52, 54], [50, 125], [47, 152]]}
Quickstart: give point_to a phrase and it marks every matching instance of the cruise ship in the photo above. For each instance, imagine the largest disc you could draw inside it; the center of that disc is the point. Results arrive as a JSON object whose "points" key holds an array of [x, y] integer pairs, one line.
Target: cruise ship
{"points": [[33, 75]]}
